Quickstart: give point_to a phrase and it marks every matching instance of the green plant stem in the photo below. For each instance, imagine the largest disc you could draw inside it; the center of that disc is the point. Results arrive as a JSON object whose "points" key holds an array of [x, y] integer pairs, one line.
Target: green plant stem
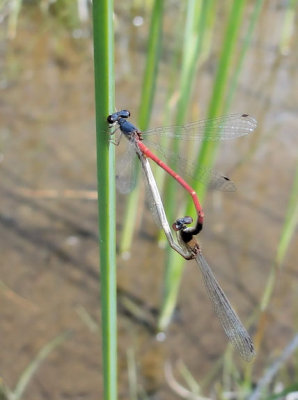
{"points": [[151, 69], [193, 36], [13, 18], [287, 233], [217, 101], [146, 101], [207, 151], [197, 42], [246, 43], [288, 29], [104, 100], [196, 17]]}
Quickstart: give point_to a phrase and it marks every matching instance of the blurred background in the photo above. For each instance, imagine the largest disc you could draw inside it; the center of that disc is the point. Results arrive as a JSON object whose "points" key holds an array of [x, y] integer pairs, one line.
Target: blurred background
{"points": [[48, 216]]}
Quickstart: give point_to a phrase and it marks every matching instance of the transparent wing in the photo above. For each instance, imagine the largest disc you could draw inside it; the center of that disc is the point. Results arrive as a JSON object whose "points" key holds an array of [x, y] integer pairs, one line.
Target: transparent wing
{"points": [[126, 169], [221, 128], [215, 180], [230, 322]]}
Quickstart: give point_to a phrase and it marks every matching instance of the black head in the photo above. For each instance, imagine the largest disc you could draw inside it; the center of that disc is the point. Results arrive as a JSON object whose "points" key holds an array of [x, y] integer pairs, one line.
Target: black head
{"points": [[117, 115], [180, 223]]}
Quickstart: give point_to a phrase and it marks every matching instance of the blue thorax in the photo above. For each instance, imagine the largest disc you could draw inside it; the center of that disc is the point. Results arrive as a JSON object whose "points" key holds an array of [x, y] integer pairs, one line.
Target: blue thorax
{"points": [[126, 127]]}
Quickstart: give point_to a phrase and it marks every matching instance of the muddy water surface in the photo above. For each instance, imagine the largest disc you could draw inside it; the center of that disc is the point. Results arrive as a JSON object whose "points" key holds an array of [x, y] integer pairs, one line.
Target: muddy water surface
{"points": [[48, 215]]}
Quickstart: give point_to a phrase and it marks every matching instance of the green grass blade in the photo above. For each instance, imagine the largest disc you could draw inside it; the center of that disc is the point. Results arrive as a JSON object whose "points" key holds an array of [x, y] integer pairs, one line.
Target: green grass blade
{"points": [[206, 156], [129, 220], [26, 376], [290, 223], [146, 101], [151, 69], [15, 8], [132, 374], [104, 100], [288, 30], [217, 101], [197, 41], [195, 27], [198, 13], [283, 394], [246, 43], [287, 233]]}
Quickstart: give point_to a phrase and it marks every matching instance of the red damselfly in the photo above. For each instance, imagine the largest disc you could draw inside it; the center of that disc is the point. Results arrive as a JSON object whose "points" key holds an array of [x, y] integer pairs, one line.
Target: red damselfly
{"points": [[159, 211], [225, 127]]}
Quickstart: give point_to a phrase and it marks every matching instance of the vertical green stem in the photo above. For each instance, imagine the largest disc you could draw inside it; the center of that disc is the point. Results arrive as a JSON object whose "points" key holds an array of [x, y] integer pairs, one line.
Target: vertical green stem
{"points": [[198, 14], [288, 29], [104, 101], [217, 101], [246, 43], [13, 17], [207, 151], [146, 101], [151, 69], [285, 238]]}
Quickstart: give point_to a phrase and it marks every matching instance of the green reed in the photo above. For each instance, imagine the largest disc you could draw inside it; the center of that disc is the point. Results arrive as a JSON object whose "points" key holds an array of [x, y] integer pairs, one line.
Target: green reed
{"points": [[207, 152], [15, 8], [245, 46], [287, 233], [195, 27], [146, 102], [288, 28], [196, 44], [197, 16], [103, 35]]}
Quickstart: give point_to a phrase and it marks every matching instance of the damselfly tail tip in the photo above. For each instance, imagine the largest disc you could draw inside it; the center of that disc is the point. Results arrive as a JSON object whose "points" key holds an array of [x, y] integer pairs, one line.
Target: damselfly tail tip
{"points": [[249, 357]]}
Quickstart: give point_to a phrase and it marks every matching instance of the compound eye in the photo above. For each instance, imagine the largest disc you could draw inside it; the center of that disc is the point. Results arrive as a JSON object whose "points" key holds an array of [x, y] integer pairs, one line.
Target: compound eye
{"points": [[186, 220], [177, 226], [180, 223], [111, 119], [124, 113]]}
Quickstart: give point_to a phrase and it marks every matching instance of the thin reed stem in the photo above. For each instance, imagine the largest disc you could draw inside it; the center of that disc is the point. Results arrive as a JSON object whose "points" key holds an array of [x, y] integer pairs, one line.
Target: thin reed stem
{"points": [[196, 16], [104, 100], [146, 101], [207, 151]]}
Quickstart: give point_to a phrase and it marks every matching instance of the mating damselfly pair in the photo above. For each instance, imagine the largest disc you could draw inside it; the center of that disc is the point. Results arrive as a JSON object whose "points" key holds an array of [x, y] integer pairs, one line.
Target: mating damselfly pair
{"points": [[222, 128]]}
